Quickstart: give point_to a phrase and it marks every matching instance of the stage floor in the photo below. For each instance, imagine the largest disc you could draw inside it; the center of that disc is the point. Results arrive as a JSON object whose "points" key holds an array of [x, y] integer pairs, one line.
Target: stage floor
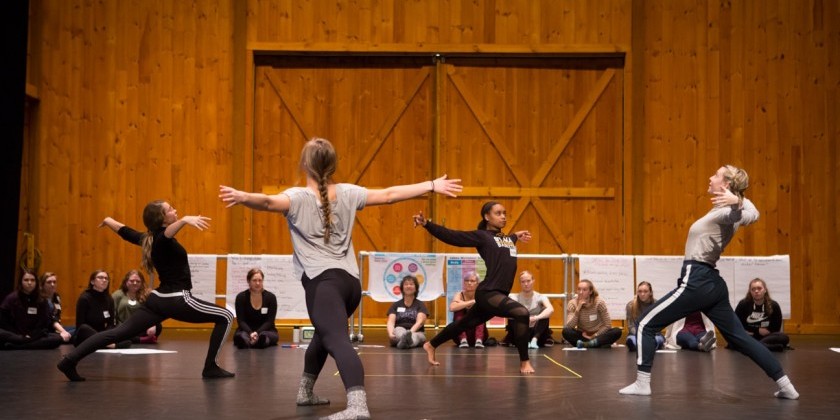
{"points": [[469, 383]]}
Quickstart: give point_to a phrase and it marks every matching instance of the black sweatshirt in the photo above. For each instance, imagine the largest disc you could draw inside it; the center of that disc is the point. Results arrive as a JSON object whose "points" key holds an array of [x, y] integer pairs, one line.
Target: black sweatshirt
{"points": [[168, 257], [496, 249], [253, 320], [91, 309]]}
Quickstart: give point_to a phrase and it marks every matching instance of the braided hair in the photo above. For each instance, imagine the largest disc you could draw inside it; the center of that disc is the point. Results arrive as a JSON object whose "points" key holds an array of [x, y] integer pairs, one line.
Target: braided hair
{"points": [[319, 160]]}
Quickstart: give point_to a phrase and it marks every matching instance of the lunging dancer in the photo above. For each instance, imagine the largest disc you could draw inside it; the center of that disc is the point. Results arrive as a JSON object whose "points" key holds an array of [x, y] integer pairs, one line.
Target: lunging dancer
{"points": [[491, 297], [320, 218], [172, 299], [700, 286]]}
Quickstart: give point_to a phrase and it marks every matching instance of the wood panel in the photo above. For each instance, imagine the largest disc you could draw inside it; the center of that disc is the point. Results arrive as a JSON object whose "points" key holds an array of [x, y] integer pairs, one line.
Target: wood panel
{"points": [[752, 84], [135, 105]]}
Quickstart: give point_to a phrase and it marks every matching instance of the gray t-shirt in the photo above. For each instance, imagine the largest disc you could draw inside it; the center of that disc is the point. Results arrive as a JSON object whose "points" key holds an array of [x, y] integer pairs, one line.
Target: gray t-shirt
{"points": [[312, 256], [534, 304], [710, 234]]}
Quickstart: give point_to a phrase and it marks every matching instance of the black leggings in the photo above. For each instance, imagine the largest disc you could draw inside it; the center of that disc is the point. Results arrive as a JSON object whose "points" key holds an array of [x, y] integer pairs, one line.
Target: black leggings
{"points": [[326, 295], [701, 288], [181, 306], [605, 339], [490, 303], [41, 340]]}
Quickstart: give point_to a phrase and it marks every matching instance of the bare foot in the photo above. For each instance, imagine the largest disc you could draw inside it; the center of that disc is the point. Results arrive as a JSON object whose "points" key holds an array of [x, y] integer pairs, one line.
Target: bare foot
{"points": [[430, 353], [525, 367]]}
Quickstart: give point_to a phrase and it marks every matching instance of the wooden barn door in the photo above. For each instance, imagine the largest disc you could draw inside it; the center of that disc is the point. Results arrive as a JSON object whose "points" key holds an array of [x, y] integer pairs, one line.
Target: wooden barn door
{"points": [[542, 135], [378, 114]]}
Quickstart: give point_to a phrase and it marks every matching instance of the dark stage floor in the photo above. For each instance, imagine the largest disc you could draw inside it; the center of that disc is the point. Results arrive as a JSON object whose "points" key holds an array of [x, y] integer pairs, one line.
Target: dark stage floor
{"points": [[469, 384]]}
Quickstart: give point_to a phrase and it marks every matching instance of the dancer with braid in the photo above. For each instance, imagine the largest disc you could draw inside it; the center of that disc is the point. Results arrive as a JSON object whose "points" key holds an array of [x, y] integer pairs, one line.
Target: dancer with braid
{"points": [[320, 218], [700, 286], [172, 299], [491, 297]]}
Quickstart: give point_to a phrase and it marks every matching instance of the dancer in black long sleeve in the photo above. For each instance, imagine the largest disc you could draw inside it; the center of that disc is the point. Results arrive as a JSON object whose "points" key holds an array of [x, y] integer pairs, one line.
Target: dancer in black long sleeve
{"points": [[172, 299], [491, 297]]}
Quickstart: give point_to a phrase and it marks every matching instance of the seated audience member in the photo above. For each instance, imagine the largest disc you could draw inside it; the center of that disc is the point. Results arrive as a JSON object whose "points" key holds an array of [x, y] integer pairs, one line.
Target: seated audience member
{"points": [[95, 310], [25, 319], [407, 316], [588, 323], [128, 298], [48, 283], [461, 303], [635, 308], [761, 316], [694, 332], [256, 309], [540, 310]]}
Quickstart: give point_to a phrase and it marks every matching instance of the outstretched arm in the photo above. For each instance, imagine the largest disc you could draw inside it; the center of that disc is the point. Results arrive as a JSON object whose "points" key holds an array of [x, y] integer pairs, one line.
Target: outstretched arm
{"points": [[275, 203], [112, 224], [199, 222], [390, 195]]}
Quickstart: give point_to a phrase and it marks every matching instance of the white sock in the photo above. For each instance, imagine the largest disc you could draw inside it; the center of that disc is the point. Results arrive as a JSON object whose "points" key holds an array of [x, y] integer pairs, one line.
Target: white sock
{"points": [[786, 389], [640, 387], [356, 406]]}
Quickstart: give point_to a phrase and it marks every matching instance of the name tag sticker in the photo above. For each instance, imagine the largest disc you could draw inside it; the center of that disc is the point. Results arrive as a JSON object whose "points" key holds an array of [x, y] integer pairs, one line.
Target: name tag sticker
{"points": [[765, 324], [593, 317], [106, 314], [400, 309], [32, 310], [263, 311]]}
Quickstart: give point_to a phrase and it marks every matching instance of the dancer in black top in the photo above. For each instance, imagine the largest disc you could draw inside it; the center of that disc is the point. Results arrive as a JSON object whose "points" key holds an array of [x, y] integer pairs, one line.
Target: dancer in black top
{"points": [[491, 297], [172, 299]]}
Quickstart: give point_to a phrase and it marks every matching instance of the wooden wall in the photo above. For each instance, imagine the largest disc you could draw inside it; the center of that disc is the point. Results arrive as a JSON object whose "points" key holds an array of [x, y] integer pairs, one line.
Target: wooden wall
{"points": [[148, 99]]}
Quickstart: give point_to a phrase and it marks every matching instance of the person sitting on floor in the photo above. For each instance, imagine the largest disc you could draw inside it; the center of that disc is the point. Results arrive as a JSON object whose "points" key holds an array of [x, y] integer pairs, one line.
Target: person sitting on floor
{"points": [[635, 308], [761, 316], [461, 303], [694, 332], [540, 310], [407, 316], [128, 298], [25, 319], [256, 309], [588, 323]]}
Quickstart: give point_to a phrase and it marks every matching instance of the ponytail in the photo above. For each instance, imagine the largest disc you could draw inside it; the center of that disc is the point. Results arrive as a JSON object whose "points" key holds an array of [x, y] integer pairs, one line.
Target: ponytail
{"points": [[146, 261]]}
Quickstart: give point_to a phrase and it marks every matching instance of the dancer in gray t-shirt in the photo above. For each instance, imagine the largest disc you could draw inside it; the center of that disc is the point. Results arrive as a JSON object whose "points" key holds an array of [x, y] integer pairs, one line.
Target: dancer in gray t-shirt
{"points": [[320, 218], [700, 287]]}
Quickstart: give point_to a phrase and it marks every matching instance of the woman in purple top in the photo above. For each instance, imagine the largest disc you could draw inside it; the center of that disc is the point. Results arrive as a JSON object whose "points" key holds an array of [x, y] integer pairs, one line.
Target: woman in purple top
{"points": [[25, 318]]}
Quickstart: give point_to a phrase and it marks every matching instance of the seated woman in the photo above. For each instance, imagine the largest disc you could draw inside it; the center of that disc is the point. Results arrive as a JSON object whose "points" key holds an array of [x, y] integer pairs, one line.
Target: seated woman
{"points": [[635, 308], [588, 323], [407, 316], [25, 319], [48, 283], [540, 310], [95, 310], [461, 302], [694, 332], [761, 316], [256, 309], [128, 298]]}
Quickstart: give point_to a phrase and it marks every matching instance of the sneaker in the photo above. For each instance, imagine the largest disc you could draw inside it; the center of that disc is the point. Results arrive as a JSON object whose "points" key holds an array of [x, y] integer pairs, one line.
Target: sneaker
{"points": [[533, 344], [464, 344], [706, 337], [549, 342], [479, 344], [580, 344], [708, 345]]}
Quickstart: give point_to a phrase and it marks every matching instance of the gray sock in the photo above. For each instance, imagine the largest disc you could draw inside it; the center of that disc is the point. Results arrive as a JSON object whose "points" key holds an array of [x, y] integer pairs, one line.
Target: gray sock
{"points": [[356, 405], [305, 395]]}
